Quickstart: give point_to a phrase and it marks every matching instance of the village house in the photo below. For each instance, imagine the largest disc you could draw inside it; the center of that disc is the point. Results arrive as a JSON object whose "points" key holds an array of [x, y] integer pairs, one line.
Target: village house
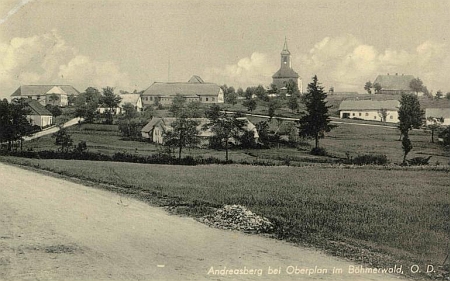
{"points": [[155, 130], [38, 114], [370, 110], [133, 99], [193, 90], [443, 113], [395, 84], [47, 94]]}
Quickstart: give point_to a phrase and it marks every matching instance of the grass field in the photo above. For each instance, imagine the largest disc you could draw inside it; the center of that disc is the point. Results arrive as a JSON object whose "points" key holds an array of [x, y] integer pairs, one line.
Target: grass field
{"points": [[402, 213], [346, 138]]}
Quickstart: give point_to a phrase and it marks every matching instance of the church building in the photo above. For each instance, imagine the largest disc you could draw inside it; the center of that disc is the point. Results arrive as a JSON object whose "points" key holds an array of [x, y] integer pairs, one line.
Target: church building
{"points": [[286, 73]]}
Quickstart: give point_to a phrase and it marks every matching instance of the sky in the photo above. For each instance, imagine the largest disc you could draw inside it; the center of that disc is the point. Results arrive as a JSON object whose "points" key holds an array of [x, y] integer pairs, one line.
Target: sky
{"points": [[130, 44]]}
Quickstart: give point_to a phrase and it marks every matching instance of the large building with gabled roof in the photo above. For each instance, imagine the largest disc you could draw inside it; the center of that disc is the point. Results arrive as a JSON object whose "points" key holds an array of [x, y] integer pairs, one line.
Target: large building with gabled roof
{"points": [[286, 73], [46, 94], [394, 84], [194, 90]]}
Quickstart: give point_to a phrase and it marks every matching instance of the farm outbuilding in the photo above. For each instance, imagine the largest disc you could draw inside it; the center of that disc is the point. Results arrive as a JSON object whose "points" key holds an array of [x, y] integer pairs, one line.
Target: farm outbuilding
{"points": [[155, 130], [384, 111], [443, 113]]}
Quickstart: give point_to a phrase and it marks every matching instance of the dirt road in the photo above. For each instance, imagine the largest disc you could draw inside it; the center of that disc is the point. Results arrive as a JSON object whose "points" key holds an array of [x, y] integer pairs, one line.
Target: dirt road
{"points": [[52, 229]]}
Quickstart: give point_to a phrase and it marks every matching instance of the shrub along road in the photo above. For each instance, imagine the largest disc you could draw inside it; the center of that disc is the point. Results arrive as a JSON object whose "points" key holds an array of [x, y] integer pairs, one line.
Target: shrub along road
{"points": [[53, 229]]}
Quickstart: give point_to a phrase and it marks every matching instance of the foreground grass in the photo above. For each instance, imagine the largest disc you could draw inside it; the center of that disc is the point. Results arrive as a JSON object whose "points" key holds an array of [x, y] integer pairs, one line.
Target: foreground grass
{"points": [[402, 213]]}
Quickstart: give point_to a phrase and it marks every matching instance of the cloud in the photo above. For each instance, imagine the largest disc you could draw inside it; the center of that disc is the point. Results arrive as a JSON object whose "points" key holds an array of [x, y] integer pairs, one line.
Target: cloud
{"points": [[14, 10], [48, 59], [247, 71], [346, 63]]}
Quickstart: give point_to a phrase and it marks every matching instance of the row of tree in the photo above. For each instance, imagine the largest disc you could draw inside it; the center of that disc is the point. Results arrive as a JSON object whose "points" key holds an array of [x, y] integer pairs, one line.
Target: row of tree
{"points": [[13, 123]]}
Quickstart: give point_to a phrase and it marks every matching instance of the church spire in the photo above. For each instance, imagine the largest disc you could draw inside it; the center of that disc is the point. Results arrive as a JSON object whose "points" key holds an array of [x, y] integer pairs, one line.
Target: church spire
{"points": [[285, 50]]}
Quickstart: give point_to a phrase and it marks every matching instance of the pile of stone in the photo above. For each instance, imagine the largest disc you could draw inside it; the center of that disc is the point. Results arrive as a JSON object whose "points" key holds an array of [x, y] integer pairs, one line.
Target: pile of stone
{"points": [[237, 217]]}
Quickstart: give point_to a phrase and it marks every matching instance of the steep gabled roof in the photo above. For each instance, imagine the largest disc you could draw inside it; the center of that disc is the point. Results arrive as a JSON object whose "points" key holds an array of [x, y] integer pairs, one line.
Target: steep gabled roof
{"points": [[37, 109], [182, 88], [437, 112], [369, 105], [129, 98], [39, 90], [196, 79], [394, 82]]}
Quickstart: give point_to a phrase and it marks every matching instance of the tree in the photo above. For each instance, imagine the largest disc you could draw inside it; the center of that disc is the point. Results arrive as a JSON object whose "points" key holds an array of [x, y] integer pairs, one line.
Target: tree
{"points": [[71, 100], [231, 98], [316, 121], [87, 103], [129, 111], [63, 138], [223, 126], [249, 93], [261, 93], [406, 146], [416, 85], [149, 112], [184, 133], [177, 105], [54, 110], [292, 88], [368, 87], [53, 98], [292, 103], [383, 113], [111, 101], [434, 124], [249, 104], [410, 116], [240, 92], [263, 131], [445, 135], [274, 105], [193, 110], [439, 95], [331, 90], [13, 122], [377, 87], [447, 95]]}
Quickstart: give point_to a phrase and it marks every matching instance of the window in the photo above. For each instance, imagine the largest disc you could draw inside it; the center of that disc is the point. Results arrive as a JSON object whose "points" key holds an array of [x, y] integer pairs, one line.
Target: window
{"points": [[374, 117], [151, 98], [353, 114], [212, 99], [206, 99], [360, 114], [392, 117], [367, 114]]}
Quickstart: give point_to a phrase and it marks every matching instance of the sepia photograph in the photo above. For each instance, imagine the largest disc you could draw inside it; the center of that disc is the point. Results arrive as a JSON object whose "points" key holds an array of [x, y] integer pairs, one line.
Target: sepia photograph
{"points": [[225, 140]]}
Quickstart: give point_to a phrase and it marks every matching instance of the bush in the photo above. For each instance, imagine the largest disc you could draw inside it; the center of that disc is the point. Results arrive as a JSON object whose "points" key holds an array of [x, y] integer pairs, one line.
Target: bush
{"points": [[318, 151], [419, 161], [370, 159]]}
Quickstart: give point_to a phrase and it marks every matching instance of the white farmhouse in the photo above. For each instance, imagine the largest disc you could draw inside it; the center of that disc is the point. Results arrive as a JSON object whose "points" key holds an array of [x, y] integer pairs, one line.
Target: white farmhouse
{"points": [[443, 113], [384, 111]]}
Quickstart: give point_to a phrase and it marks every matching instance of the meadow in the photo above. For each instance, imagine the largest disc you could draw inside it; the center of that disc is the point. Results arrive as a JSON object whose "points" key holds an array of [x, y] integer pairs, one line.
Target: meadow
{"points": [[371, 214], [347, 140]]}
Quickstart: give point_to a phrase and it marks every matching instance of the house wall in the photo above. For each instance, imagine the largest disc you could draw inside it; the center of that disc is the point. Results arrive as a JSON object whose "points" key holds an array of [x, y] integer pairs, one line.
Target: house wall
{"points": [[158, 135], [373, 115], [41, 121], [445, 123]]}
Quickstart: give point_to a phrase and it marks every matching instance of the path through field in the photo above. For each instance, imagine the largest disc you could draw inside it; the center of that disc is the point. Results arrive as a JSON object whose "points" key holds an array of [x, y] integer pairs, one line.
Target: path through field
{"points": [[55, 129], [53, 229]]}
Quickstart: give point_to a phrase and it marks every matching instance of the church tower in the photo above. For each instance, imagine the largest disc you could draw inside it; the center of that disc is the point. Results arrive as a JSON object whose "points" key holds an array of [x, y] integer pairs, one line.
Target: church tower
{"points": [[286, 73]]}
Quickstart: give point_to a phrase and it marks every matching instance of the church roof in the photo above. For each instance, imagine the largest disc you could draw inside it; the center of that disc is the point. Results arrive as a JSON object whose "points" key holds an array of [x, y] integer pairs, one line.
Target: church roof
{"points": [[285, 72], [394, 82]]}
